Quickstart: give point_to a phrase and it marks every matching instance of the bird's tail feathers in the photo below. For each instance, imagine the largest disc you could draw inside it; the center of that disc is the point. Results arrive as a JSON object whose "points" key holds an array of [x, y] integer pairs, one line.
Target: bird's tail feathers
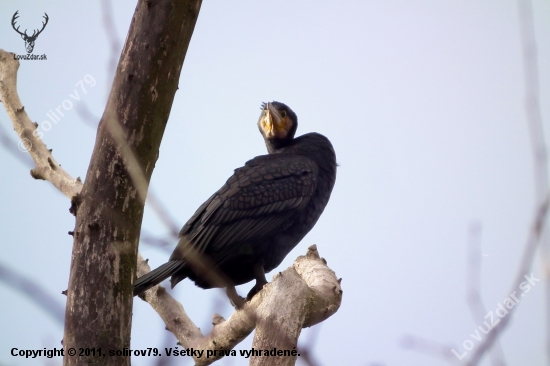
{"points": [[156, 276]]}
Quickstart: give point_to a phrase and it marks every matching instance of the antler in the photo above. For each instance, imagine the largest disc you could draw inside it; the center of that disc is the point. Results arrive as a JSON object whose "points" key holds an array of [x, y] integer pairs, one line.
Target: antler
{"points": [[43, 26], [34, 34], [15, 16]]}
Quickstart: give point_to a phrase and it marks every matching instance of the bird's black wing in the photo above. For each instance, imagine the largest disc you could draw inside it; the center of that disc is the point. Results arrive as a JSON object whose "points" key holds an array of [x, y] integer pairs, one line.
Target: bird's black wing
{"points": [[256, 202]]}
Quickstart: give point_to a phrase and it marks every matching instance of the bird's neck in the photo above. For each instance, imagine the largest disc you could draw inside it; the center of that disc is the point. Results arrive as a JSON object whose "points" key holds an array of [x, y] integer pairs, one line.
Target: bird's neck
{"points": [[275, 146]]}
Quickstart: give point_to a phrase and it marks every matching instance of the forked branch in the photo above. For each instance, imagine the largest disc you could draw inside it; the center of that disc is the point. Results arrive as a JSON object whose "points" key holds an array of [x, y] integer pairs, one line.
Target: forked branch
{"points": [[305, 294]]}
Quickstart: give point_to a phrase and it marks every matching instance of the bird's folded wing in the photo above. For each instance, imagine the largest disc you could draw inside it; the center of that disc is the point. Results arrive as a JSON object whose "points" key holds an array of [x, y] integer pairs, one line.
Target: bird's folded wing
{"points": [[256, 202]]}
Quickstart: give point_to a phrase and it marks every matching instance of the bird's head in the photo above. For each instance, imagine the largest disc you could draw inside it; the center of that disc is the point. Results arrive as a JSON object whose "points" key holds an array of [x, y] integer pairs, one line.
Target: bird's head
{"points": [[277, 123]]}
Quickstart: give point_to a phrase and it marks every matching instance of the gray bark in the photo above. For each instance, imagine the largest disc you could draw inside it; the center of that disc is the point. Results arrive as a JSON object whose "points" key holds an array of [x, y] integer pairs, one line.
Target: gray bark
{"points": [[109, 209]]}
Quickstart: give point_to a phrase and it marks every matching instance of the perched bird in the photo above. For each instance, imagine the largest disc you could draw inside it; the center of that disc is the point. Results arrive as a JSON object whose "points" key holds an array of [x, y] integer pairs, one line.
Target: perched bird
{"points": [[260, 214]]}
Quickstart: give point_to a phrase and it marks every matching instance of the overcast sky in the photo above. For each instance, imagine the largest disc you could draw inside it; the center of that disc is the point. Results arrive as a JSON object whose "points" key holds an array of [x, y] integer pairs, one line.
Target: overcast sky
{"points": [[423, 101]]}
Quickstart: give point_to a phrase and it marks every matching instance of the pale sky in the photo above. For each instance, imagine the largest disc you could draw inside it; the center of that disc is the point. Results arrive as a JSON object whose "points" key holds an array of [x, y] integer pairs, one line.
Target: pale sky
{"points": [[423, 101]]}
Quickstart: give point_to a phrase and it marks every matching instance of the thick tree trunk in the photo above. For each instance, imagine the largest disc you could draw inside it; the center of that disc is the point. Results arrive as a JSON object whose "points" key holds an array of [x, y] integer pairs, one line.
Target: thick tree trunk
{"points": [[109, 209]]}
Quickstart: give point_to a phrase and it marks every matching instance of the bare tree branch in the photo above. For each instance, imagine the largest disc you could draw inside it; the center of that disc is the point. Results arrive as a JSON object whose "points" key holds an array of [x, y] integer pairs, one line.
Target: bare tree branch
{"points": [[474, 287], [87, 116], [18, 151], [430, 347], [306, 351], [303, 295], [534, 120], [112, 37], [46, 166], [33, 291], [169, 341], [110, 208], [109, 217], [538, 231], [156, 242], [524, 269], [136, 172]]}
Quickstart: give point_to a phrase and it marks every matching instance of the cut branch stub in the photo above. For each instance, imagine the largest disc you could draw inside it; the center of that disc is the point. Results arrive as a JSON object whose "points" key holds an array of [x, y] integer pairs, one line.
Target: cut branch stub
{"points": [[325, 287]]}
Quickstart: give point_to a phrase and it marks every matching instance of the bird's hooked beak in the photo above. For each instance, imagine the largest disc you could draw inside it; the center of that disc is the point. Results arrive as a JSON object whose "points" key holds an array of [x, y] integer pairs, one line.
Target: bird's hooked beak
{"points": [[274, 123]]}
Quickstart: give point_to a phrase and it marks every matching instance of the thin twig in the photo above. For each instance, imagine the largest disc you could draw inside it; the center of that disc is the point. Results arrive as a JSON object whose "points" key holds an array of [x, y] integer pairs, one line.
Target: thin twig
{"points": [[524, 269], [536, 130], [538, 232], [137, 173], [307, 354], [168, 341], [166, 245], [17, 151], [33, 291], [429, 347], [474, 287], [87, 116], [114, 41]]}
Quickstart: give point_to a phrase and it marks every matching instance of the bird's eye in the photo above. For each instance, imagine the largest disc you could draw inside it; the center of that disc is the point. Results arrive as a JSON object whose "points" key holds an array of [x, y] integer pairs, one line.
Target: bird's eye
{"points": [[283, 114]]}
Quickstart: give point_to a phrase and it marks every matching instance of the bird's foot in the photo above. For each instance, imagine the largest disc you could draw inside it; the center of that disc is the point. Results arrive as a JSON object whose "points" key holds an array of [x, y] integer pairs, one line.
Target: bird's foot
{"points": [[254, 290], [236, 300], [261, 281]]}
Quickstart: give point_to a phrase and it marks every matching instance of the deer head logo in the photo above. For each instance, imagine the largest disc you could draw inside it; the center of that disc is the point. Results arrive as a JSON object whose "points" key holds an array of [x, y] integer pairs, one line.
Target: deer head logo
{"points": [[29, 40]]}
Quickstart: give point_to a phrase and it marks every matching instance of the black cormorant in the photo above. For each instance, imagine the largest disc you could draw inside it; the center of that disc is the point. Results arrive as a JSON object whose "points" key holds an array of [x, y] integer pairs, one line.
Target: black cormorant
{"points": [[264, 209]]}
